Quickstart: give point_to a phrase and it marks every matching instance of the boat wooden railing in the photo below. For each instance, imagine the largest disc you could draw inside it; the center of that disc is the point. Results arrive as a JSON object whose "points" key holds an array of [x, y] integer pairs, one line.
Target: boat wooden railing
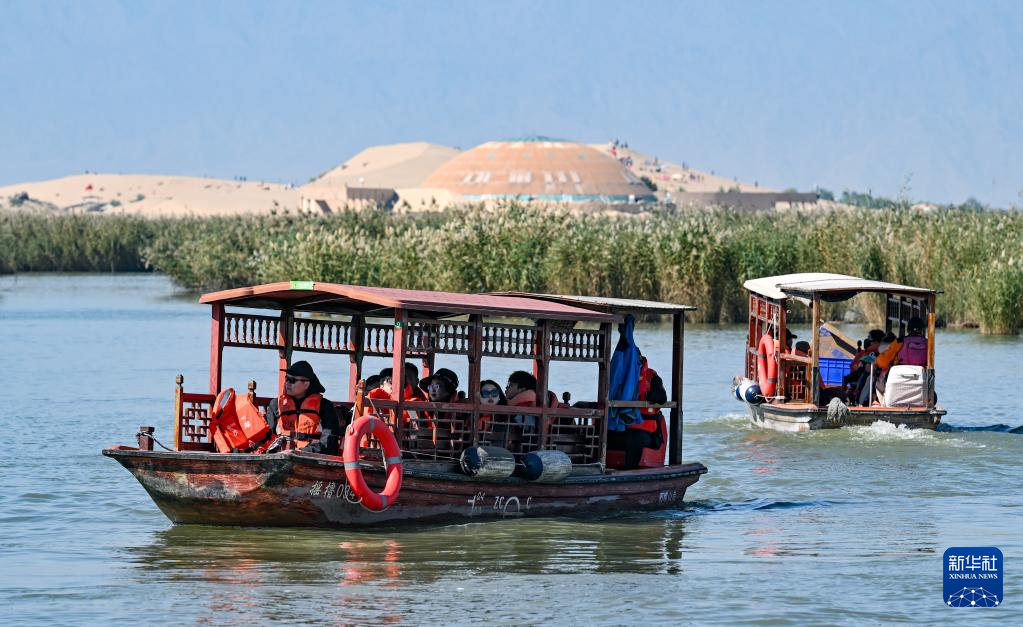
{"points": [[444, 430], [192, 416], [794, 377]]}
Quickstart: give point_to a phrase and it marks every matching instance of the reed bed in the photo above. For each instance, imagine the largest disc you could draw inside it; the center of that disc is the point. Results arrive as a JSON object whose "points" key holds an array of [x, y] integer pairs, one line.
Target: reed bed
{"points": [[699, 257]]}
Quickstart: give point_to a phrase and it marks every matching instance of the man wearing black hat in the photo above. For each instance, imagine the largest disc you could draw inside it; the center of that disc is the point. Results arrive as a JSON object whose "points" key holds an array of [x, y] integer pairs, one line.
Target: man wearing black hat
{"points": [[301, 415]]}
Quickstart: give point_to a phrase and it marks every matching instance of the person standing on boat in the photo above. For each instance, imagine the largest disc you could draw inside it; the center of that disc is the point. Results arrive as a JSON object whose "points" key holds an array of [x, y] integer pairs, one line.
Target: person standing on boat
{"points": [[302, 415], [646, 434]]}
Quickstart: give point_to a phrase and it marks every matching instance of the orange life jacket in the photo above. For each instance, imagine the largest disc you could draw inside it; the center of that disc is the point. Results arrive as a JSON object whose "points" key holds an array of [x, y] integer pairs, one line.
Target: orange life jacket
{"points": [[303, 423], [236, 424], [379, 394], [646, 379]]}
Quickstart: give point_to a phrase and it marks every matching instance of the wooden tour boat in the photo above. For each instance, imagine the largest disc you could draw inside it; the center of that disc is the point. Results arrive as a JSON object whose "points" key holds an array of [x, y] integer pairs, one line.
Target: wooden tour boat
{"points": [[799, 400], [196, 484]]}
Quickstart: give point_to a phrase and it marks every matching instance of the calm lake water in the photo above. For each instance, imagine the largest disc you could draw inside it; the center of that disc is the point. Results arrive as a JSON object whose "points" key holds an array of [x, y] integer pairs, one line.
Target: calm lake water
{"points": [[837, 527]]}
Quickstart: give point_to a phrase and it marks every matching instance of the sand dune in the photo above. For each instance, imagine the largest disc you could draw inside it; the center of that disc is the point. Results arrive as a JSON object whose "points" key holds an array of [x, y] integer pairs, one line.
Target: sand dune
{"points": [[401, 167], [395, 166], [150, 194], [673, 177]]}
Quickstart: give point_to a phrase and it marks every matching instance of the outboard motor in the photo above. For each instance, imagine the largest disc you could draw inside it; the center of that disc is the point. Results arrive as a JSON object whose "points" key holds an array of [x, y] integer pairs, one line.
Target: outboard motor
{"points": [[749, 392]]}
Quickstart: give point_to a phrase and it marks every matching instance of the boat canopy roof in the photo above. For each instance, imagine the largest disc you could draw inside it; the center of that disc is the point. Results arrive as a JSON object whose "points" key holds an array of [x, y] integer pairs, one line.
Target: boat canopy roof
{"points": [[314, 296], [829, 286], [613, 305]]}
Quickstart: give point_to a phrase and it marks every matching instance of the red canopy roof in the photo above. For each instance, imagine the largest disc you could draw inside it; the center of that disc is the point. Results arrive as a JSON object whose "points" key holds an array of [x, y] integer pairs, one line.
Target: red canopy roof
{"points": [[334, 297]]}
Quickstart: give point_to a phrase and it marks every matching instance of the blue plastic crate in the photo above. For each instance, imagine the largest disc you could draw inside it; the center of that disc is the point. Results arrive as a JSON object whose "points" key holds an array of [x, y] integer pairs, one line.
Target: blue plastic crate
{"points": [[834, 369]]}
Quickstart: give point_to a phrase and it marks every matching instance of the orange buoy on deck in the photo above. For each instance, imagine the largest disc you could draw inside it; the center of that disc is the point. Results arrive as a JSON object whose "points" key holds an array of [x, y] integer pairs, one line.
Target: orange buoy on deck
{"points": [[363, 427]]}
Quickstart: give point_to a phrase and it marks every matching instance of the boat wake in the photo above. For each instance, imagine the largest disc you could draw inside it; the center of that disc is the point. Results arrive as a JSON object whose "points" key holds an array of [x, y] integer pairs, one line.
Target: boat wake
{"points": [[700, 508], [882, 432], [999, 428]]}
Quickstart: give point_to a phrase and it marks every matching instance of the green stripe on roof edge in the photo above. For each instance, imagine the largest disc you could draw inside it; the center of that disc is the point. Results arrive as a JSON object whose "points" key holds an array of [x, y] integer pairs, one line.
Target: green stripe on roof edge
{"points": [[301, 285], [537, 138]]}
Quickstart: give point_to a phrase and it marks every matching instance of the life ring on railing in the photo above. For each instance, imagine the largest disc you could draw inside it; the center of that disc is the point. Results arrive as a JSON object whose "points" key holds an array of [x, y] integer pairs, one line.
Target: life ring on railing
{"points": [[363, 427], [767, 366]]}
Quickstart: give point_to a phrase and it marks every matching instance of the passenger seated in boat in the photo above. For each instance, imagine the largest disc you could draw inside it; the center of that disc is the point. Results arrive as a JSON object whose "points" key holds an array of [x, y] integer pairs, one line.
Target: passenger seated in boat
{"points": [[521, 392], [301, 417], [384, 386], [790, 338], [490, 396], [858, 371], [801, 349], [442, 387], [646, 434], [412, 390], [913, 351]]}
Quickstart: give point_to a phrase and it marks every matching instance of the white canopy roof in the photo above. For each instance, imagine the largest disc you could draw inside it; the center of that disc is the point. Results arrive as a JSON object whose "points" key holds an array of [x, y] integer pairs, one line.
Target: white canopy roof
{"points": [[810, 283]]}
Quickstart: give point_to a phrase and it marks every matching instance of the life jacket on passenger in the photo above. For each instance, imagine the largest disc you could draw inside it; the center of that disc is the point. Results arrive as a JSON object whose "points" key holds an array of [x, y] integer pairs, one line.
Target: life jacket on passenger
{"points": [[447, 421], [411, 394], [236, 424], [301, 423], [649, 414], [913, 351]]}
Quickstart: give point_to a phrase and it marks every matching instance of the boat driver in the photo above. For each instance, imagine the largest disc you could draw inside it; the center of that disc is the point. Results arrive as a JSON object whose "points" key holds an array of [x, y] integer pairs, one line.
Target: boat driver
{"points": [[301, 416]]}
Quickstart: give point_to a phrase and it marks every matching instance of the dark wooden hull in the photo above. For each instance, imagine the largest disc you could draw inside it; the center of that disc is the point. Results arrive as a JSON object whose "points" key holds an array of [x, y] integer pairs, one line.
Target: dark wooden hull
{"points": [[309, 490], [785, 417]]}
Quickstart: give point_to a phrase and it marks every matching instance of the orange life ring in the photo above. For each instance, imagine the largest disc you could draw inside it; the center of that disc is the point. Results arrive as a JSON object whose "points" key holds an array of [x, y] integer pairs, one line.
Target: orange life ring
{"points": [[363, 427], [767, 366]]}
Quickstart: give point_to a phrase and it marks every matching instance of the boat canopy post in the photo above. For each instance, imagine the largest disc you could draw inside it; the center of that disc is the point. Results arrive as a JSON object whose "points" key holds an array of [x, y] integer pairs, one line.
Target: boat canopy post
{"points": [[930, 350], [604, 384], [815, 370], [675, 413], [179, 404], [541, 370], [475, 365], [398, 341], [216, 347], [285, 337], [356, 347]]}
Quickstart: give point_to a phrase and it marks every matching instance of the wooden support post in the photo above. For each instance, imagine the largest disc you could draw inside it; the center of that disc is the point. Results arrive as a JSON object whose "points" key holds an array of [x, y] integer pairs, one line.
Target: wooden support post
{"points": [[931, 326], [677, 363], [285, 333], [357, 346], [398, 373], [179, 406], [782, 347], [475, 366], [541, 370], [603, 385], [216, 348], [815, 371]]}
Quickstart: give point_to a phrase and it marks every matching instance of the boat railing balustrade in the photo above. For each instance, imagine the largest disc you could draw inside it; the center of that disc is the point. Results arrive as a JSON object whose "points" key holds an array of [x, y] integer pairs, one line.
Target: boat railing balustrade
{"points": [[765, 316], [192, 416], [443, 430], [794, 377]]}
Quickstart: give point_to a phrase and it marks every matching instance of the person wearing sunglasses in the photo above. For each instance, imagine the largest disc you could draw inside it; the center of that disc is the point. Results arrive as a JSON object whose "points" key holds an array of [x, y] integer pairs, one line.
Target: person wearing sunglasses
{"points": [[490, 394], [301, 417]]}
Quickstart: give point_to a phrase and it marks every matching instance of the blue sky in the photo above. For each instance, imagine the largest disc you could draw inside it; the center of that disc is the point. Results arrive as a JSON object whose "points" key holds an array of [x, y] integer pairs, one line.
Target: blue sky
{"points": [[924, 97]]}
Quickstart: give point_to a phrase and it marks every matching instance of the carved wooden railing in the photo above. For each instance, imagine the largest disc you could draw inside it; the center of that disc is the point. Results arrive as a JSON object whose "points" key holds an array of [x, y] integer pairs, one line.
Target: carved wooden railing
{"points": [[511, 340], [321, 336], [251, 331], [577, 345]]}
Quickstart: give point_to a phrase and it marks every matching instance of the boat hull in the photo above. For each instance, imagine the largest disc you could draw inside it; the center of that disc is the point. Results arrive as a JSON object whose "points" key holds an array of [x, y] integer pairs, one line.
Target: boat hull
{"points": [[782, 417], [295, 489]]}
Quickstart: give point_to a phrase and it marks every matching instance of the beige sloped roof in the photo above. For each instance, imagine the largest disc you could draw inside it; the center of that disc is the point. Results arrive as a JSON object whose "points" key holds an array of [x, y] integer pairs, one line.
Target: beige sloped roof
{"points": [[810, 283]]}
